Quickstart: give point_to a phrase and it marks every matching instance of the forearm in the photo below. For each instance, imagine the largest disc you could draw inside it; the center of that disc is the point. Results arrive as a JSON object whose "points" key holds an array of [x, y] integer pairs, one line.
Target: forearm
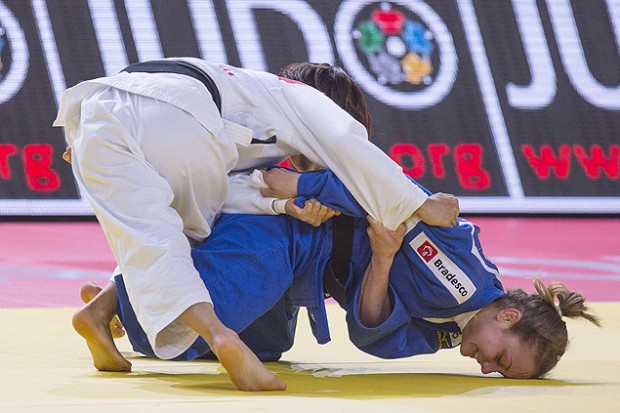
{"points": [[338, 142], [374, 304], [244, 197]]}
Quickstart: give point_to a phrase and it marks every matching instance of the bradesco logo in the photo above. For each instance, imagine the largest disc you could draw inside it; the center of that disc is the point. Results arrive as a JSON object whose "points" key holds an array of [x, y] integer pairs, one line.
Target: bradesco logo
{"points": [[400, 52], [442, 267], [427, 251]]}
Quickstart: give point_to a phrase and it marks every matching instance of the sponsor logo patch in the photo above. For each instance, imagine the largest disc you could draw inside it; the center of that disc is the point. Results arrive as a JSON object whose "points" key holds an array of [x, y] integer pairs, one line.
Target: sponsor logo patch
{"points": [[448, 340], [427, 251], [443, 268]]}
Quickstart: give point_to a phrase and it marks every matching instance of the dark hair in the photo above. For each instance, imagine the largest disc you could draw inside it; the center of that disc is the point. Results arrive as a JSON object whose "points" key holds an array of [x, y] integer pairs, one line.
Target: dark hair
{"points": [[541, 323], [336, 84]]}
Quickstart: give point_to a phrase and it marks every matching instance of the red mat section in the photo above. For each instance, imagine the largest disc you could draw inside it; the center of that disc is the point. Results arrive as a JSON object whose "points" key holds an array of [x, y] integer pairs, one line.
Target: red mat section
{"points": [[44, 264], [582, 253]]}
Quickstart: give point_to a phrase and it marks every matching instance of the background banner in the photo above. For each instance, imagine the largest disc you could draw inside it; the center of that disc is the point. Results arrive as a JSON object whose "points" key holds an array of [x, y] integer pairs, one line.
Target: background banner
{"points": [[514, 106]]}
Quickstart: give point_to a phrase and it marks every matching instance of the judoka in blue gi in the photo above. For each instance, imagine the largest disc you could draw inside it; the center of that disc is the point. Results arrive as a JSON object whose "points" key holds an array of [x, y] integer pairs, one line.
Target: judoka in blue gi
{"points": [[252, 261], [442, 290]]}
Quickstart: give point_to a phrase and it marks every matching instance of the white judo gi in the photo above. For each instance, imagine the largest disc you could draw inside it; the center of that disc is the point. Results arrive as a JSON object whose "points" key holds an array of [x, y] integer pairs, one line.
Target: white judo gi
{"points": [[151, 152]]}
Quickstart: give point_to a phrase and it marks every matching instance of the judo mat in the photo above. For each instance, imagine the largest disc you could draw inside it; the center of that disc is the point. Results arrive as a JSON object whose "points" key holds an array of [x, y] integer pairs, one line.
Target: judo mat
{"points": [[46, 367]]}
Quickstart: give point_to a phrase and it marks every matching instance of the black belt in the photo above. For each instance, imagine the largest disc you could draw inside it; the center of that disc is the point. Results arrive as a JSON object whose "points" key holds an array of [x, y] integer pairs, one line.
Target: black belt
{"points": [[181, 67], [337, 269]]}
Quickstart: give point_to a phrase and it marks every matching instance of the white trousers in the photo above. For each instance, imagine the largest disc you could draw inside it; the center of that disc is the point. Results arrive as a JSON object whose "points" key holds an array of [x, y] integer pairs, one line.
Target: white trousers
{"points": [[154, 177]]}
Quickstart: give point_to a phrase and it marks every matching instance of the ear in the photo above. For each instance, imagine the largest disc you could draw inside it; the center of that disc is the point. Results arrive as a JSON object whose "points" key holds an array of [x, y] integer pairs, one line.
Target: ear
{"points": [[508, 316]]}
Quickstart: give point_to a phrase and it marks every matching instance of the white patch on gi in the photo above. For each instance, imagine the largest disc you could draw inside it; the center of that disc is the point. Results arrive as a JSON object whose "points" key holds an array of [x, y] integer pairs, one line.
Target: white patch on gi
{"points": [[446, 271]]}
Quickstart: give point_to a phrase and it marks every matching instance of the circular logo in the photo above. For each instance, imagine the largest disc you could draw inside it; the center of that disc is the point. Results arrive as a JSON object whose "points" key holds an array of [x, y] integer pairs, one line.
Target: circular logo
{"points": [[2, 44], [401, 53], [13, 55]]}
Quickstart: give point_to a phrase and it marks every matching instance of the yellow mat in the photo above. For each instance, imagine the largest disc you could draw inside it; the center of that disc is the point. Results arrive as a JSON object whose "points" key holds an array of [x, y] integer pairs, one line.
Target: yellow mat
{"points": [[46, 367]]}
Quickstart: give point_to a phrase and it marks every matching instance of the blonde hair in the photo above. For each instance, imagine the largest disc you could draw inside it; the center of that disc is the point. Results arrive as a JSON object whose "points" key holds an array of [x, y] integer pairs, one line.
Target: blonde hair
{"points": [[541, 323]]}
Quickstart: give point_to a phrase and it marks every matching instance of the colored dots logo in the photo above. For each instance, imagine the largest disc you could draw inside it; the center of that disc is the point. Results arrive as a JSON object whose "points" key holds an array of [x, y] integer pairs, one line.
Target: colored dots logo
{"points": [[398, 49]]}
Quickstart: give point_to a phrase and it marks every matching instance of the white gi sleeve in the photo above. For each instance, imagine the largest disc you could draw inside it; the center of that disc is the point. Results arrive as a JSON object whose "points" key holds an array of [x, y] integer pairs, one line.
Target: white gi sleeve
{"points": [[331, 137], [244, 196]]}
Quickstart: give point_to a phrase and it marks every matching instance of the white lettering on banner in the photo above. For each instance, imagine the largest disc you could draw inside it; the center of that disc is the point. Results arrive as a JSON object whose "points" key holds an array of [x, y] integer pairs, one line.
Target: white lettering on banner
{"points": [[573, 58], [109, 36], [429, 96], [208, 32], [490, 98], [542, 88], [52, 59], [247, 37], [12, 82], [443, 268], [48, 41], [143, 29]]}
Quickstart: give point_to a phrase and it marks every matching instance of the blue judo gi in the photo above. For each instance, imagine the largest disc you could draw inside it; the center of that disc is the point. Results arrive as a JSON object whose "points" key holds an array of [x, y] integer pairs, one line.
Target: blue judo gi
{"points": [[260, 269]]}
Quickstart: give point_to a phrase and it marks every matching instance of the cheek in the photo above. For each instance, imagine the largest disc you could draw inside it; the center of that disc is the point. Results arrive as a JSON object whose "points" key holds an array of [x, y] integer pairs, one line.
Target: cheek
{"points": [[489, 347]]}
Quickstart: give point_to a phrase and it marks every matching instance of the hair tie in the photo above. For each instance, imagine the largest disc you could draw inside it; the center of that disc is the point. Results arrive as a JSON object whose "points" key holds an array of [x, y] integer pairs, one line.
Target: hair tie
{"points": [[556, 305]]}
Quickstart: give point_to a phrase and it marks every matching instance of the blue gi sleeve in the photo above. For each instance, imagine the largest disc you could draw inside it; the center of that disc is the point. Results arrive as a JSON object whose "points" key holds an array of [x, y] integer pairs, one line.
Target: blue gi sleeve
{"points": [[398, 336], [329, 191], [325, 186]]}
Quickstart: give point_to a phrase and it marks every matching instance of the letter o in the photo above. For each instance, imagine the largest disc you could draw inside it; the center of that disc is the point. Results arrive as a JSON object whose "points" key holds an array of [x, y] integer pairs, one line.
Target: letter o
{"points": [[14, 79]]}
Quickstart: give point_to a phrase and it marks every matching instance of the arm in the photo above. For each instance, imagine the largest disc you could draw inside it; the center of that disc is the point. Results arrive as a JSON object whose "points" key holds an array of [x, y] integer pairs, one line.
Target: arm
{"points": [[244, 197], [374, 305], [330, 191], [329, 136]]}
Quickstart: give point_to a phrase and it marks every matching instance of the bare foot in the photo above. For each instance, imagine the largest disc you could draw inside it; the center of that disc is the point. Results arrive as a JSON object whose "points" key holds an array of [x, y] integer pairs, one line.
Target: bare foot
{"points": [[246, 371], [93, 323], [88, 291]]}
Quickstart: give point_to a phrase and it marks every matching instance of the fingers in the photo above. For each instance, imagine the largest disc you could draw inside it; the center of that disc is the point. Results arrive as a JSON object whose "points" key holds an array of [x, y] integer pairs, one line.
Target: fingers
{"points": [[440, 210], [401, 230], [282, 182], [67, 155], [453, 208], [456, 212], [383, 241], [313, 212], [317, 213]]}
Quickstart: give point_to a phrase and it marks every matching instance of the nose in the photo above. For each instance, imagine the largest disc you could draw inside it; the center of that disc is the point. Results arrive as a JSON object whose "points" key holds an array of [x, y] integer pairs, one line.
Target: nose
{"points": [[487, 367]]}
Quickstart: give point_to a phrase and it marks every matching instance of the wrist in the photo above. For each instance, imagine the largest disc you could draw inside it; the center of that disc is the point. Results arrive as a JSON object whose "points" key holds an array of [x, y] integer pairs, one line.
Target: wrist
{"points": [[279, 205], [379, 262]]}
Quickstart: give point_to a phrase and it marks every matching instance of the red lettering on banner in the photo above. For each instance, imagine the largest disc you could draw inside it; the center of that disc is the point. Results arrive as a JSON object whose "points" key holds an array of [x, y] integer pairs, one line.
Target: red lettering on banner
{"points": [[470, 173], [37, 162], [547, 161], [6, 151], [597, 161], [402, 152], [592, 160], [436, 151], [468, 163]]}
